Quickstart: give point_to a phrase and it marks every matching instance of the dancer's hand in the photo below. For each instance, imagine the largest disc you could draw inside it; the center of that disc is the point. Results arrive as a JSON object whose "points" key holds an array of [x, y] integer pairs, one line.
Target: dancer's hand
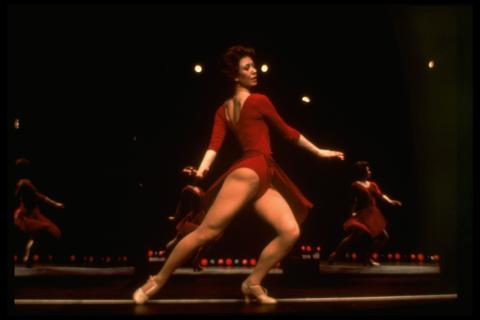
{"points": [[396, 203], [201, 173], [324, 153]]}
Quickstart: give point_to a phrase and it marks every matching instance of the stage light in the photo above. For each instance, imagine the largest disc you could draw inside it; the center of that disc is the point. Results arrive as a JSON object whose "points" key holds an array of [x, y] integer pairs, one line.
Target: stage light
{"points": [[212, 262], [302, 248], [15, 258], [36, 257], [16, 123], [150, 253], [420, 257], [264, 68], [236, 262], [125, 258], [72, 258], [204, 262], [161, 253], [375, 256], [306, 99], [354, 255], [308, 248], [389, 256], [49, 257], [413, 257], [108, 259], [253, 262], [198, 68], [398, 256], [436, 257], [244, 262], [318, 248], [91, 259], [221, 262], [431, 64], [229, 262]]}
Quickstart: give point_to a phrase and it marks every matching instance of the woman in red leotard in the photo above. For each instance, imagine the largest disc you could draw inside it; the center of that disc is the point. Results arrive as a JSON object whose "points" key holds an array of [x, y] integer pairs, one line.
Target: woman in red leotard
{"points": [[28, 216], [255, 178], [367, 223]]}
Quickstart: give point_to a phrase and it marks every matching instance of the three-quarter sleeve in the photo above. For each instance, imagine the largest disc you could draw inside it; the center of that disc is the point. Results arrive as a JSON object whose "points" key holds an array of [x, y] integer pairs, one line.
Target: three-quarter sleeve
{"points": [[377, 190], [273, 118], [218, 132]]}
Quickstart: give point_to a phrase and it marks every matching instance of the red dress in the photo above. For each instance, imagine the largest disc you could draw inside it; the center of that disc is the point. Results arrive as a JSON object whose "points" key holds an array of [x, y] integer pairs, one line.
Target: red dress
{"points": [[252, 132], [368, 218], [27, 215]]}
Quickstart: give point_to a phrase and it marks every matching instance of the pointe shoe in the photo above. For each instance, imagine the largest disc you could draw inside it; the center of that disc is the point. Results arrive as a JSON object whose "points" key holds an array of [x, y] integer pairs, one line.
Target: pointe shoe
{"points": [[371, 262], [140, 296], [257, 292]]}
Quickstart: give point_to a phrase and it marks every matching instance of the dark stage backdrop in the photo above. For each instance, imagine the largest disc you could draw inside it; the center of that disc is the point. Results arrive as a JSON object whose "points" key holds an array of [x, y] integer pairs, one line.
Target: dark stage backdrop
{"points": [[110, 112]]}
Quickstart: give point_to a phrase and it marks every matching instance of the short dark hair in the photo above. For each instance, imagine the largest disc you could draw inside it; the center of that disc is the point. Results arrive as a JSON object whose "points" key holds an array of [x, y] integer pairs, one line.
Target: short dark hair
{"points": [[360, 169], [231, 58], [23, 168]]}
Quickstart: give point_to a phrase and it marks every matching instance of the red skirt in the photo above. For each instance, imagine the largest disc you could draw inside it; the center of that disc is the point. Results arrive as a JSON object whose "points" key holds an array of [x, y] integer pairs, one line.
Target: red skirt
{"points": [[370, 220], [270, 175]]}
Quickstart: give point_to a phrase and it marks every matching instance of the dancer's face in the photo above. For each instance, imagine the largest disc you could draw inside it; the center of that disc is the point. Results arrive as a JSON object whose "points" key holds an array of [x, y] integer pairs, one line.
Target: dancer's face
{"points": [[247, 73], [369, 172]]}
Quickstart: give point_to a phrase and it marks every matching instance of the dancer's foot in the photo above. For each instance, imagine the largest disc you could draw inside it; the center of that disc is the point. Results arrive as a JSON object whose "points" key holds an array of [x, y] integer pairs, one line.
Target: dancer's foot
{"points": [[145, 292], [257, 292]]}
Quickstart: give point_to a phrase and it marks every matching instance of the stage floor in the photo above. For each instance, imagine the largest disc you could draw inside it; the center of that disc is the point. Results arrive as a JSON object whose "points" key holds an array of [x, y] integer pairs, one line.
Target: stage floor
{"points": [[338, 289]]}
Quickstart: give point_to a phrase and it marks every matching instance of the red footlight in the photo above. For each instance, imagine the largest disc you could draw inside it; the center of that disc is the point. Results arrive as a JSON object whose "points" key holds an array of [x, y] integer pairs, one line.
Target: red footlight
{"points": [[244, 262], [229, 262], [437, 257], [161, 253], [125, 258], [302, 248], [72, 258], [253, 262], [398, 256], [318, 248], [15, 258], [420, 257], [36, 257], [220, 262], [354, 255], [308, 248], [413, 257], [90, 259], [108, 259], [204, 262], [150, 253], [375, 256]]}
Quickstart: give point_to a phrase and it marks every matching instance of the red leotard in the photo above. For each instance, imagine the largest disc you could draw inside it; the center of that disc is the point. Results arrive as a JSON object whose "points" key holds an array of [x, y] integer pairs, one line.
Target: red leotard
{"points": [[252, 132]]}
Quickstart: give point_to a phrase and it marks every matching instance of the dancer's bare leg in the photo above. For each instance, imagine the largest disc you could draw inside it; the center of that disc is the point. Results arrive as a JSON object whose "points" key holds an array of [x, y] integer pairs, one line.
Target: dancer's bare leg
{"points": [[276, 211], [239, 187]]}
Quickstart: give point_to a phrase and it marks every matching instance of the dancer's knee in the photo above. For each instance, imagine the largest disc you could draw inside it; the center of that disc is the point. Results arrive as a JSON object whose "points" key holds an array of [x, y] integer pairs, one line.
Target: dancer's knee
{"points": [[292, 233]]}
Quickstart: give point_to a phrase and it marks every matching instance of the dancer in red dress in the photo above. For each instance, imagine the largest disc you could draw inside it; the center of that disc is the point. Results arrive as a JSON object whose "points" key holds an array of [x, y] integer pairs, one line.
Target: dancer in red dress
{"points": [[254, 179], [367, 223], [28, 216]]}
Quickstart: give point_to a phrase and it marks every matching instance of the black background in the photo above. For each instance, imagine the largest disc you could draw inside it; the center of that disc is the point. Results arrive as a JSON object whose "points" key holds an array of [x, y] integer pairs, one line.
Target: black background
{"points": [[111, 111]]}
